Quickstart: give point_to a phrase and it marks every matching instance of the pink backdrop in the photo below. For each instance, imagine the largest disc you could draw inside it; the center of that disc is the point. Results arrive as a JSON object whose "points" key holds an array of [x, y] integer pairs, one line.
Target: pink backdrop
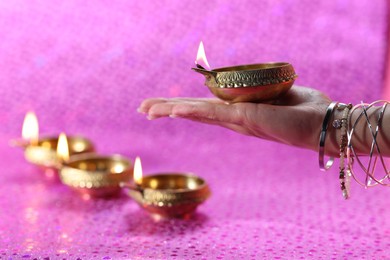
{"points": [[84, 67]]}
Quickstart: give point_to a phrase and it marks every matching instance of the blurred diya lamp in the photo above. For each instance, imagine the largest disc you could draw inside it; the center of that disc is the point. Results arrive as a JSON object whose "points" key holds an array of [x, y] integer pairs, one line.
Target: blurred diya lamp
{"points": [[247, 83], [167, 195], [96, 175], [42, 150], [44, 153]]}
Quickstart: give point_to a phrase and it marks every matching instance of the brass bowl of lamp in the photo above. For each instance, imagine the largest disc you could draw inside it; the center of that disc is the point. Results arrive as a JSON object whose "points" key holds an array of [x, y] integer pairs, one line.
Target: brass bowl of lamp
{"points": [[96, 175], [250, 83], [170, 194], [44, 154]]}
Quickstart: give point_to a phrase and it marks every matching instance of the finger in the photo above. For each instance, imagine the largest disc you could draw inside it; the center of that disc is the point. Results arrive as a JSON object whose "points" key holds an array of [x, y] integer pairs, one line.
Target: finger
{"points": [[148, 103], [161, 109], [218, 112], [204, 110]]}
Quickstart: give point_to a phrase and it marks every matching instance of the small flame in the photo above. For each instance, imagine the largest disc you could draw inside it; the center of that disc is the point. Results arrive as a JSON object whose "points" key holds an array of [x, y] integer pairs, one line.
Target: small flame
{"points": [[30, 129], [201, 56], [63, 148], [137, 171]]}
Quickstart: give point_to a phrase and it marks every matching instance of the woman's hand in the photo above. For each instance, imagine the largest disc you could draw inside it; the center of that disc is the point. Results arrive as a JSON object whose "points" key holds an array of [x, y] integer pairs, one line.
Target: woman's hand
{"points": [[295, 119]]}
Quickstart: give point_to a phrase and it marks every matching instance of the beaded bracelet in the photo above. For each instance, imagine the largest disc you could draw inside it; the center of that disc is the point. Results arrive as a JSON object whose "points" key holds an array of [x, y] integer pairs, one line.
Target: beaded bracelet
{"points": [[342, 124]]}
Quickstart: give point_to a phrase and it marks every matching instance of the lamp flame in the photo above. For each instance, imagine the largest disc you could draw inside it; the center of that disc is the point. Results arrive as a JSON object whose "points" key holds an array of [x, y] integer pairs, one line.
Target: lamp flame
{"points": [[63, 148], [30, 129], [137, 171], [201, 56]]}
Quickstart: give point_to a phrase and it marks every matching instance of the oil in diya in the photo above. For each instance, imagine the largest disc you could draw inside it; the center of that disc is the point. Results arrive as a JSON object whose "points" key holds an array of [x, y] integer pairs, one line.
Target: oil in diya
{"points": [[167, 195], [247, 83], [41, 151], [95, 175]]}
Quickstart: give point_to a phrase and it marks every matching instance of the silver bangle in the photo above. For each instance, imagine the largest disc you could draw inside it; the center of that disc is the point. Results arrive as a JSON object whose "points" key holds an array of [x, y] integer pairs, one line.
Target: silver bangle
{"points": [[324, 129]]}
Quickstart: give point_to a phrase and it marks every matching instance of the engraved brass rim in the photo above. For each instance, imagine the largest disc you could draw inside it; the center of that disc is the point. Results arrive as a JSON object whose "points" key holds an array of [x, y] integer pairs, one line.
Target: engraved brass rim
{"points": [[251, 82], [89, 171], [252, 75]]}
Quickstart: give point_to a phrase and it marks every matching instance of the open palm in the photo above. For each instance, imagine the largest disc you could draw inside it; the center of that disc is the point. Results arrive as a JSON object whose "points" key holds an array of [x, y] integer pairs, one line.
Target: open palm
{"points": [[294, 119]]}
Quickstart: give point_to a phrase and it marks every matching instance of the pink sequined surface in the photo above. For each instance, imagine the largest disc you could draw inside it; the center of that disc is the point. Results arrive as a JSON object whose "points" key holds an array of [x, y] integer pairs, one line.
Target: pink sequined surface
{"points": [[84, 67]]}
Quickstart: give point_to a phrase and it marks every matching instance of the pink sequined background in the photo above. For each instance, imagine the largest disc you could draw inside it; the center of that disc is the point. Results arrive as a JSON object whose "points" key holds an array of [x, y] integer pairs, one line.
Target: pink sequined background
{"points": [[84, 67]]}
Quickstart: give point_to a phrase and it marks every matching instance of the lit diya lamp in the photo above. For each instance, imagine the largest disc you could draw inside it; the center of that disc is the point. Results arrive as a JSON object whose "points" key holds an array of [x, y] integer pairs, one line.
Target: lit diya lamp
{"points": [[93, 174], [167, 194], [247, 83], [42, 150]]}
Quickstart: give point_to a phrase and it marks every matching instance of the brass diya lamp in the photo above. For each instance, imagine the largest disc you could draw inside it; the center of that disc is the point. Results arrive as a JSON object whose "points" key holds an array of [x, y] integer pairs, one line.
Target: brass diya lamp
{"points": [[167, 195], [41, 151], [247, 83], [44, 152], [96, 175]]}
